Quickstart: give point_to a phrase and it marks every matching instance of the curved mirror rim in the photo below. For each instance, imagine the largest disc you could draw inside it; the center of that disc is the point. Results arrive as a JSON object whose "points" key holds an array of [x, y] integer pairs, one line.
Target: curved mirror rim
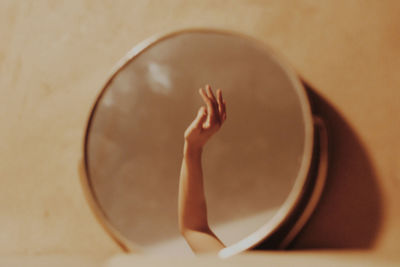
{"points": [[294, 196]]}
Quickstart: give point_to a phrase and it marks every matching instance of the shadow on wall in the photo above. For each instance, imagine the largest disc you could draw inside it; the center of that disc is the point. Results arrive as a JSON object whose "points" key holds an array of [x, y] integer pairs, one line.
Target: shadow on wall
{"points": [[349, 214], [350, 211]]}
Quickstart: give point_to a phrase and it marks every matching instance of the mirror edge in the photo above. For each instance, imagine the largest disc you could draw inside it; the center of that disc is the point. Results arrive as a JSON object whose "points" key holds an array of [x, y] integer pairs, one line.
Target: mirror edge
{"points": [[294, 196]]}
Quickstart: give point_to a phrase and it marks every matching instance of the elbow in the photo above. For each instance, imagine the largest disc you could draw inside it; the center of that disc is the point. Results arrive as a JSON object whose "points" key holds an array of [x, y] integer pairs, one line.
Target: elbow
{"points": [[186, 233], [186, 230], [183, 229]]}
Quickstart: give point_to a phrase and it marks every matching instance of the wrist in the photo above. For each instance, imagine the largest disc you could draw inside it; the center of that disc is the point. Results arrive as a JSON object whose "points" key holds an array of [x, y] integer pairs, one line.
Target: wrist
{"points": [[191, 149]]}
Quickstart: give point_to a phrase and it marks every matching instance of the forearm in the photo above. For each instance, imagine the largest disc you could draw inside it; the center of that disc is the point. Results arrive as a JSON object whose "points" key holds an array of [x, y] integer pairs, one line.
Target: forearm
{"points": [[192, 203], [192, 208]]}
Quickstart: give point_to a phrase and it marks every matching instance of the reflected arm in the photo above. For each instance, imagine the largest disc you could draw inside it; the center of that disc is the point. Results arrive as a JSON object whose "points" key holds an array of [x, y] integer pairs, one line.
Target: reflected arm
{"points": [[192, 210], [193, 221]]}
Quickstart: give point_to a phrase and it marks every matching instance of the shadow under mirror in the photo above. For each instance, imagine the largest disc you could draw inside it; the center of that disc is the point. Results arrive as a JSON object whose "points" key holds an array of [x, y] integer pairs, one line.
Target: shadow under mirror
{"points": [[254, 167], [350, 212]]}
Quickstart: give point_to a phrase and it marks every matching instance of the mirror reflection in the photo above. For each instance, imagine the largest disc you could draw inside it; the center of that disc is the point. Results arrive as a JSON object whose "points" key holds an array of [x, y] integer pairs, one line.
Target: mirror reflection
{"points": [[138, 127]]}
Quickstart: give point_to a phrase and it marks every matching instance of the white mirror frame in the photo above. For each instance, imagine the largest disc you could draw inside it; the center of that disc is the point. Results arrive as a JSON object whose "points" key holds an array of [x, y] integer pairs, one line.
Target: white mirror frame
{"points": [[316, 141]]}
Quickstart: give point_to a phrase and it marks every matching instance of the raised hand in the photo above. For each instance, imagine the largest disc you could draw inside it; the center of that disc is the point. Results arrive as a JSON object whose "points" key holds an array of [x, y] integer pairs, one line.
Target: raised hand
{"points": [[192, 208], [208, 120]]}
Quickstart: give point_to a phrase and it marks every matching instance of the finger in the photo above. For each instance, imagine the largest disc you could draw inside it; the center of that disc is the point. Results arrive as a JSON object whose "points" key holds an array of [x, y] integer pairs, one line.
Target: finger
{"points": [[223, 110], [210, 95], [220, 102], [200, 117], [215, 114], [207, 101]]}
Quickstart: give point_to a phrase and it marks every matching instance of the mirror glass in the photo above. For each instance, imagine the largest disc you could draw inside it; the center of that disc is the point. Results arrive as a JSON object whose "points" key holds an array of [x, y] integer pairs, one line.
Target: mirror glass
{"points": [[135, 138]]}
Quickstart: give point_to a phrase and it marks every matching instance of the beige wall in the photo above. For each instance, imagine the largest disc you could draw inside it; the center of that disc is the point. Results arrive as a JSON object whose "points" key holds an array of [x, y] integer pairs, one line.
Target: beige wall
{"points": [[55, 55]]}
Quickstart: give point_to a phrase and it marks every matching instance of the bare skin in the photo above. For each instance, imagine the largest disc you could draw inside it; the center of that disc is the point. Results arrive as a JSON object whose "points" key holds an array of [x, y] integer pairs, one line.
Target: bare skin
{"points": [[192, 206]]}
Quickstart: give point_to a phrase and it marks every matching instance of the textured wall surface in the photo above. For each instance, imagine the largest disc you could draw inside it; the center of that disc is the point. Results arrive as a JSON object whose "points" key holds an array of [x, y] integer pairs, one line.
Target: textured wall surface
{"points": [[55, 55]]}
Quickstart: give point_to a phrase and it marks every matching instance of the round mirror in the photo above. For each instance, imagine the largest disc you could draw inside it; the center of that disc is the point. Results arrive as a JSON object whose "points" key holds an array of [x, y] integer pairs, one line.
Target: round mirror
{"points": [[255, 167]]}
